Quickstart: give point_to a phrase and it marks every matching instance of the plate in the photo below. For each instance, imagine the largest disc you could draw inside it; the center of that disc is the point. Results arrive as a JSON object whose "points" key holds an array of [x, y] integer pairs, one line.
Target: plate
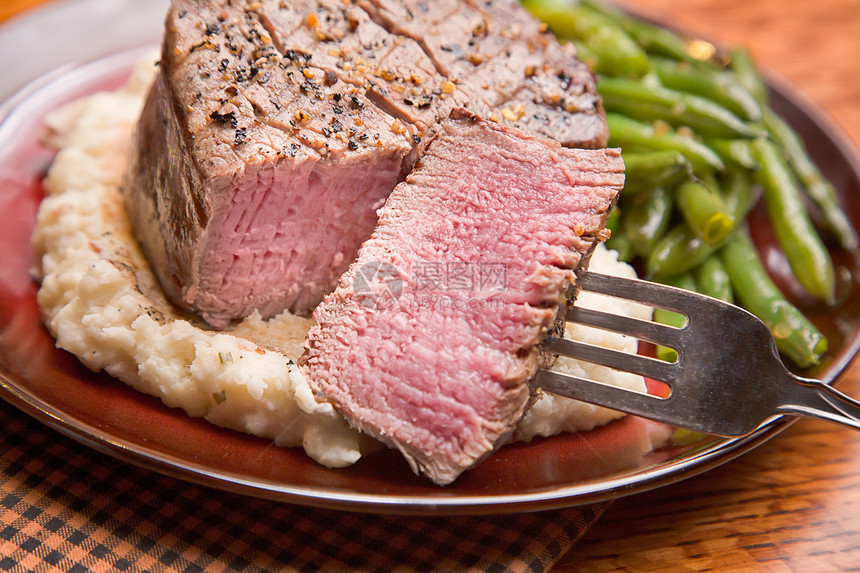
{"points": [[564, 470]]}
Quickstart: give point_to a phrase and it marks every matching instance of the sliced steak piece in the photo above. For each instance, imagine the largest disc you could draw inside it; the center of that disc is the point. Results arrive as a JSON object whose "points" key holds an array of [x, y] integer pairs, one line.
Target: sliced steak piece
{"points": [[430, 339], [276, 129], [253, 180]]}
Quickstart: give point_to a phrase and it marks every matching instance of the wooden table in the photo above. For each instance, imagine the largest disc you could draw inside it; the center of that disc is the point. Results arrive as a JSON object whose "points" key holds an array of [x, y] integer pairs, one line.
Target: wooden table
{"points": [[794, 503], [11, 7]]}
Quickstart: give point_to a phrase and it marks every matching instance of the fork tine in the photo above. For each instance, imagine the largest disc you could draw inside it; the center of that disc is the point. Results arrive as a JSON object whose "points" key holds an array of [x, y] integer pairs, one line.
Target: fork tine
{"points": [[648, 293], [601, 394], [642, 329], [648, 367]]}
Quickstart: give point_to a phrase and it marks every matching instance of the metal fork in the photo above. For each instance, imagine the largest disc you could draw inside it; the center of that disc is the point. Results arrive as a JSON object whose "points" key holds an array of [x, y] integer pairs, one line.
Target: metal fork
{"points": [[728, 379]]}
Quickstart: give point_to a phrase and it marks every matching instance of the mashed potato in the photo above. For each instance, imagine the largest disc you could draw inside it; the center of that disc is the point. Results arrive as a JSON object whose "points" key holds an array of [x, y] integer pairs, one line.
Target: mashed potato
{"points": [[102, 302]]}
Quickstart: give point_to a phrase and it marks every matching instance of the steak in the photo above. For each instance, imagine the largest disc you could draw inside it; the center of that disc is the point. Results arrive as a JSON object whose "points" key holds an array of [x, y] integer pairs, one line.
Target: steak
{"points": [[431, 337], [276, 129]]}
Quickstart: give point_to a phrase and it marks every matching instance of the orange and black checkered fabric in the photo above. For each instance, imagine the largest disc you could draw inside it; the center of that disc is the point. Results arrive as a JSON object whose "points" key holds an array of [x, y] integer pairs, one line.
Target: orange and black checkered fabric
{"points": [[65, 507]]}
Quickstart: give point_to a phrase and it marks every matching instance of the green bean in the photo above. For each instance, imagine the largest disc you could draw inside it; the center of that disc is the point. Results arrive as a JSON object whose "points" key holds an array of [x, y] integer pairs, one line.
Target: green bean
{"points": [[739, 193], [704, 211], [598, 60], [735, 153], [795, 335], [647, 170], [653, 39], [621, 243], [712, 279], [717, 85], [615, 53], [819, 190], [613, 222], [680, 250], [741, 63], [586, 55], [647, 218], [633, 135], [809, 259], [639, 100], [684, 281], [711, 181]]}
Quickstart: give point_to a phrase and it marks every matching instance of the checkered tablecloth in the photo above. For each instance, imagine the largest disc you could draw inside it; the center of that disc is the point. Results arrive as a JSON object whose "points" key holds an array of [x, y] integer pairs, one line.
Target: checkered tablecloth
{"points": [[65, 507]]}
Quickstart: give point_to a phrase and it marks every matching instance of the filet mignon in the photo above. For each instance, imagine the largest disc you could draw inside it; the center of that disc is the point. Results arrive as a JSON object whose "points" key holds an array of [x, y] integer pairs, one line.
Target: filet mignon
{"points": [[276, 129], [431, 337]]}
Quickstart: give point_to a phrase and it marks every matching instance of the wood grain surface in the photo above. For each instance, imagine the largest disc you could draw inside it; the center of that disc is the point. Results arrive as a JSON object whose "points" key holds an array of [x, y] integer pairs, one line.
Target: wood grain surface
{"points": [[9, 8], [793, 504]]}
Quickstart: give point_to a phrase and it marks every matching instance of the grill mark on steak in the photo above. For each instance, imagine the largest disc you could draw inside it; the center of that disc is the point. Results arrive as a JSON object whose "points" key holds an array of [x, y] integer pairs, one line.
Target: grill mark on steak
{"points": [[491, 57], [249, 58], [507, 63], [397, 18], [346, 43]]}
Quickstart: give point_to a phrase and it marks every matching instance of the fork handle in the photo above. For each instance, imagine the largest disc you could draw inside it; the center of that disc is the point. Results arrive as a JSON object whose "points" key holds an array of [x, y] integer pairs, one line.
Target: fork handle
{"points": [[815, 399]]}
